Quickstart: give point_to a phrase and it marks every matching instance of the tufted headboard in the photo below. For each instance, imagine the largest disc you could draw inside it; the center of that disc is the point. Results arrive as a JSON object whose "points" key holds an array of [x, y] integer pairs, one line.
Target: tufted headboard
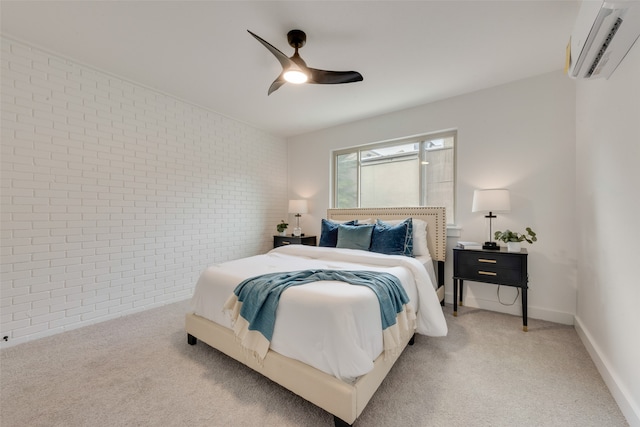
{"points": [[434, 217]]}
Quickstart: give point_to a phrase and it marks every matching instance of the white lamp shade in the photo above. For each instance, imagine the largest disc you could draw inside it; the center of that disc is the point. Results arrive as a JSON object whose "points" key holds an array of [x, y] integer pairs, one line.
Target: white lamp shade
{"points": [[494, 200], [298, 206]]}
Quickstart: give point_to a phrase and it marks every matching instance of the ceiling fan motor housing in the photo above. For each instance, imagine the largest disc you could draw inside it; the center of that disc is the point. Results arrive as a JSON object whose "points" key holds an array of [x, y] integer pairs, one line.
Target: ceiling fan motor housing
{"points": [[296, 38]]}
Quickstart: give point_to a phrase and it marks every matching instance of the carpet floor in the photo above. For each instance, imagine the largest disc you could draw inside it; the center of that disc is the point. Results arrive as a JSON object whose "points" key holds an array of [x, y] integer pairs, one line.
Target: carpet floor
{"points": [[139, 370]]}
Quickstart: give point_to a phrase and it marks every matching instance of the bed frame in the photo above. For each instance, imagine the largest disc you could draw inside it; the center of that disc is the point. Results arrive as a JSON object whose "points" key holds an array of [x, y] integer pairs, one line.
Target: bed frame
{"points": [[345, 401]]}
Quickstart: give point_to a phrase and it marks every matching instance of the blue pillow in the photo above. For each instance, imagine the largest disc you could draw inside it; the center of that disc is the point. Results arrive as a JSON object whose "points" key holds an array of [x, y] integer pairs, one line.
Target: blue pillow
{"points": [[354, 236], [329, 233], [393, 239]]}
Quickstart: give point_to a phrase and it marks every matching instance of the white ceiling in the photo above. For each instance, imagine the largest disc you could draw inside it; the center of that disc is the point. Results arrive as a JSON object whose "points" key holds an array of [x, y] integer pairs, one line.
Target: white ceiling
{"points": [[409, 52]]}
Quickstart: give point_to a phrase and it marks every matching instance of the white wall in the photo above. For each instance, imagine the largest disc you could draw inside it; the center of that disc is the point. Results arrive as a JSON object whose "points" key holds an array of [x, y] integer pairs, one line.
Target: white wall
{"points": [[115, 197], [519, 136], [608, 203]]}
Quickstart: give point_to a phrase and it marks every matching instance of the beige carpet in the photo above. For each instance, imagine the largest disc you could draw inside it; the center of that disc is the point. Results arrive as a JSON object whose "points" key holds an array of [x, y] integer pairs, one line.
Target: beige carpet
{"points": [[140, 371]]}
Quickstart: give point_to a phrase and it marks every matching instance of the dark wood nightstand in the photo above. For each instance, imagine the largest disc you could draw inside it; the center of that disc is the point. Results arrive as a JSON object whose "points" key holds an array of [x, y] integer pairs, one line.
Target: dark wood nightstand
{"points": [[497, 267], [293, 240]]}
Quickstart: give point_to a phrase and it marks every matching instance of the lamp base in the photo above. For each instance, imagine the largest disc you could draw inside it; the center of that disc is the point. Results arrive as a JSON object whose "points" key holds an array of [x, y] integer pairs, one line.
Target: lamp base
{"points": [[491, 246]]}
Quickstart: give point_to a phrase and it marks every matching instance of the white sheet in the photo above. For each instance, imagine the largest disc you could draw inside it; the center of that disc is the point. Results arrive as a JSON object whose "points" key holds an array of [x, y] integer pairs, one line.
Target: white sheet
{"points": [[427, 263], [332, 326]]}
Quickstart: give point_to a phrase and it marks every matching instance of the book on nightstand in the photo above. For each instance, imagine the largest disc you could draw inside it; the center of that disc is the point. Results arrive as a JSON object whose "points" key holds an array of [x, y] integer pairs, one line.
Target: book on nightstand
{"points": [[469, 245]]}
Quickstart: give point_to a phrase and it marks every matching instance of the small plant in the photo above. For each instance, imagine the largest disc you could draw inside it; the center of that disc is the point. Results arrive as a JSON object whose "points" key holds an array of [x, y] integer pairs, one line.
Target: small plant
{"points": [[282, 226], [511, 236]]}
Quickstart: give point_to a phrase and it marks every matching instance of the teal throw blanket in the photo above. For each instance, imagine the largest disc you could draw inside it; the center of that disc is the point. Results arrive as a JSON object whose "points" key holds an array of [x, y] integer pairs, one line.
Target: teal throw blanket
{"points": [[260, 295]]}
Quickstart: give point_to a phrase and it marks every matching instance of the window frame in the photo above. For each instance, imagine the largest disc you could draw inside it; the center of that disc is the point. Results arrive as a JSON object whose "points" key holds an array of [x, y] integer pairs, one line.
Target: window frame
{"points": [[420, 139]]}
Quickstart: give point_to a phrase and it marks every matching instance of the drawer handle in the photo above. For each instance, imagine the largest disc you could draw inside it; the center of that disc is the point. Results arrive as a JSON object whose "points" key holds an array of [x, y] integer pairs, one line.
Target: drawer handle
{"points": [[490, 261], [285, 243], [487, 273]]}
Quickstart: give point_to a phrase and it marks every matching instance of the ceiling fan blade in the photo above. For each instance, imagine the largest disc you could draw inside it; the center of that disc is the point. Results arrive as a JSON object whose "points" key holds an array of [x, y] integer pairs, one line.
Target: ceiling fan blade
{"points": [[325, 77], [276, 84], [281, 57]]}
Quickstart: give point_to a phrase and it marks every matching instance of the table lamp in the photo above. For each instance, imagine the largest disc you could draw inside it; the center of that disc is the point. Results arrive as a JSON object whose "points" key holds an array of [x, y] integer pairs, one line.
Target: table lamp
{"points": [[492, 200], [298, 207]]}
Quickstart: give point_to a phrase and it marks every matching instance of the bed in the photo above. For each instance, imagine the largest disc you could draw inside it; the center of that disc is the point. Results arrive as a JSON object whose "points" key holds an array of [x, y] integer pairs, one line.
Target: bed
{"points": [[340, 386]]}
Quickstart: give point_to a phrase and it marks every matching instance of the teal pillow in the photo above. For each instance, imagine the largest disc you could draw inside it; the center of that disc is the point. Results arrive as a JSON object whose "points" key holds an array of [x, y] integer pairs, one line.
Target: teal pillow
{"points": [[354, 236], [329, 232], [392, 239]]}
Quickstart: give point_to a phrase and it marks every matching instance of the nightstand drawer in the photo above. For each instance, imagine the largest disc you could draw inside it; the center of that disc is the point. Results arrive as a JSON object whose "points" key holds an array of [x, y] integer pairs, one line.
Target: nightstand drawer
{"points": [[292, 240], [485, 273], [489, 260], [281, 241]]}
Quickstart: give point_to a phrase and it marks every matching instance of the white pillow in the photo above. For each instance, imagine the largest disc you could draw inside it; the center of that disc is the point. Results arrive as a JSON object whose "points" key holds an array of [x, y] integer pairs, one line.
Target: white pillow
{"points": [[366, 221], [419, 235]]}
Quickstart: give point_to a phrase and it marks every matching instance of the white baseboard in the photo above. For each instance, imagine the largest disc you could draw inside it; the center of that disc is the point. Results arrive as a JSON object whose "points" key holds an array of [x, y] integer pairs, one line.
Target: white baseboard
{"points": [[516, 309], [630, 409]]}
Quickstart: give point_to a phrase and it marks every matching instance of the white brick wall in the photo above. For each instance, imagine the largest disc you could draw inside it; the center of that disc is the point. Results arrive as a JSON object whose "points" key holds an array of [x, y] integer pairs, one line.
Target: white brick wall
{"points": [[115, 197]]}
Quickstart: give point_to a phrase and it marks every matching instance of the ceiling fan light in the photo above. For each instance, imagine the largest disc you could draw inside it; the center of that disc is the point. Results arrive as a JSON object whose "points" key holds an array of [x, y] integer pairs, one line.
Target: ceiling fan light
{"points": [[295, 76]]}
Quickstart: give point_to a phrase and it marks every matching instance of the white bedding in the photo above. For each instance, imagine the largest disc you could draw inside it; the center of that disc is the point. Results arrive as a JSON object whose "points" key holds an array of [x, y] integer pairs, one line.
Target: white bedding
{"points": [[427, 263], [332, 326]]}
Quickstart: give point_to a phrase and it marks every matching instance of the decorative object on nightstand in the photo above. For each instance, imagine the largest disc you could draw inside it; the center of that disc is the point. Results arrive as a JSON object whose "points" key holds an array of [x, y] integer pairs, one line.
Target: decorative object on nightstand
{"points": [[491, 200], [298, 207], [513, 239], [282, 228], [468, 245]]}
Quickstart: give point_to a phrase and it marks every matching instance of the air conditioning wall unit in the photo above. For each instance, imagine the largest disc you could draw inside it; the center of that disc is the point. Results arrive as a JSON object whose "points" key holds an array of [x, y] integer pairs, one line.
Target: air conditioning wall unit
{"points": [[603, 34]]}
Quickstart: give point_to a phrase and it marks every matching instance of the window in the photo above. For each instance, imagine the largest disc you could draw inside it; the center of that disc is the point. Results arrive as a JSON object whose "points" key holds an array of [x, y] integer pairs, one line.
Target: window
{"points": [[417, 171]]}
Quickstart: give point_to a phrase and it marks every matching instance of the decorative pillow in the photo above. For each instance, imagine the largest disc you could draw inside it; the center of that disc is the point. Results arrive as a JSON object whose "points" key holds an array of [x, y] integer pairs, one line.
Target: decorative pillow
{"points": [[393, 239], [419, 235], [329, 232], [354, 236]]}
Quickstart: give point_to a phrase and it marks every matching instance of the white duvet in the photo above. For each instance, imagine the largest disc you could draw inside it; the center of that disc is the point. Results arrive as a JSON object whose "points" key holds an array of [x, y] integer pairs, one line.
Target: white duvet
{"points": [[330, 325]]}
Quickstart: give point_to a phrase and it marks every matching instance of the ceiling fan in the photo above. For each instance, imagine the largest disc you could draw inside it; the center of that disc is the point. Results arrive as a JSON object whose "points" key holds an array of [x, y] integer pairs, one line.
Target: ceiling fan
{"points": [[295, 70]]}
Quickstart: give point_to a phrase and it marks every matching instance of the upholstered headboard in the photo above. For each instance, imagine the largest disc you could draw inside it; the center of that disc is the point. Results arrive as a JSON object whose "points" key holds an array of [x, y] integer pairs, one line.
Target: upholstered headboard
{"points": [[434, 217]]}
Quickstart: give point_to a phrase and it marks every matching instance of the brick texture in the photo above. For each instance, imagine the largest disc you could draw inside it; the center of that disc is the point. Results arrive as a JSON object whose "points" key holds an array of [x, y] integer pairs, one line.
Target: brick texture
{"points": [[115, 197]]}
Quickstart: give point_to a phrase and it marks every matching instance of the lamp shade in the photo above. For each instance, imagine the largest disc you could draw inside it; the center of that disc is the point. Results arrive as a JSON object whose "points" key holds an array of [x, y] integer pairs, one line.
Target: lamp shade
{"points": [[298, 206], [493, 200]]}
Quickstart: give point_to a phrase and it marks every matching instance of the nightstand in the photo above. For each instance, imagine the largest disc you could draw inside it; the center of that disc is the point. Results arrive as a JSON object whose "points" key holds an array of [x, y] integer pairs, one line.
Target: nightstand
{"points": [[293, 240], [497, 267]]}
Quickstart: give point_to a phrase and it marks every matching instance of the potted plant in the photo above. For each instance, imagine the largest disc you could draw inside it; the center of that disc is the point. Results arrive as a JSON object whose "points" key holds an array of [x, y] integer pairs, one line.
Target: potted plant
{"points": [[282, 227], [513, 239]]}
